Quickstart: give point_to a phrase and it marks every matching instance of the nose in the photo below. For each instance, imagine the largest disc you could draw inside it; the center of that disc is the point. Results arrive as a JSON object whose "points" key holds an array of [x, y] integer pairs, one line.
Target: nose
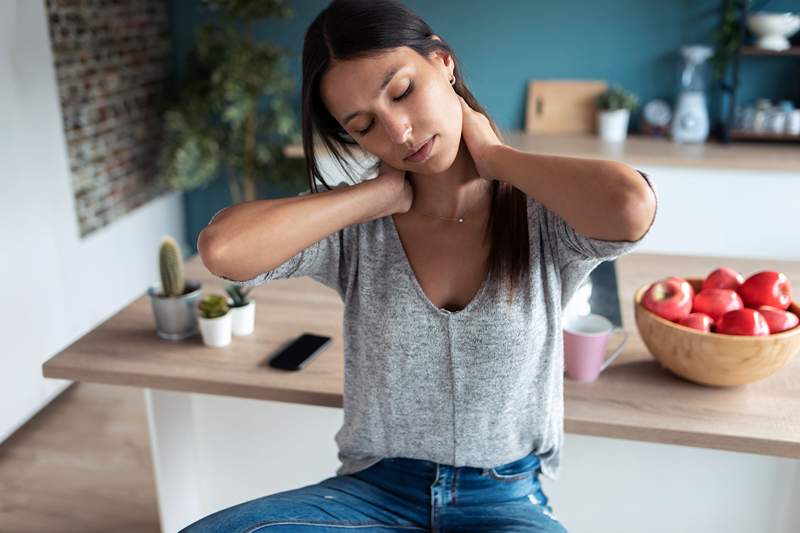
{"points": [[397, 128]]}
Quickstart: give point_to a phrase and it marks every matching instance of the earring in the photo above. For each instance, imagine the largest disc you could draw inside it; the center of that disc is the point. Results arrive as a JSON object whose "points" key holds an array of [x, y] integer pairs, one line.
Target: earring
{"points": [[452, 79]]}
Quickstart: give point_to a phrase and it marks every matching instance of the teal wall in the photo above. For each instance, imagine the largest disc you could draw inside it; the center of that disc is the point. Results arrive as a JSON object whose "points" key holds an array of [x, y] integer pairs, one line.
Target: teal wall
{"points": [[504, 44]]}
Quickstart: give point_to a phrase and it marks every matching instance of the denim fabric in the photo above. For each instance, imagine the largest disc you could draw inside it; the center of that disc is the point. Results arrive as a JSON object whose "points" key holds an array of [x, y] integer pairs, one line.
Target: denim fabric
{"points": [[401, 494]]}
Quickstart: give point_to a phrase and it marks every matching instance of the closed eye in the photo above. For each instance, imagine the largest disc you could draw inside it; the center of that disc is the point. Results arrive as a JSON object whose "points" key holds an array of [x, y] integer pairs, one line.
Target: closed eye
{"points": [[369, 127]]}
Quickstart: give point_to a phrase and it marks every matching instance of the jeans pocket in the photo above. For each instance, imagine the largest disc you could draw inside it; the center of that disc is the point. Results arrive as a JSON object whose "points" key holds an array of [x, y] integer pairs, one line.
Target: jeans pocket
{"points": [[495, 474], [516, 470]]}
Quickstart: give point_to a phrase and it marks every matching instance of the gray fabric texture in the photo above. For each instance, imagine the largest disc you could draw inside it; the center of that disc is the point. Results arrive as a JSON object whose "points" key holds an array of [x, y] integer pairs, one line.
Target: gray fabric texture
{"points": [[478, 387]]}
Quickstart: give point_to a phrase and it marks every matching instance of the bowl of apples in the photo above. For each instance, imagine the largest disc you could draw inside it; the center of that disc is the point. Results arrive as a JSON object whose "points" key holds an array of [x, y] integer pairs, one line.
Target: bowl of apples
{"points": [[722, 330]]}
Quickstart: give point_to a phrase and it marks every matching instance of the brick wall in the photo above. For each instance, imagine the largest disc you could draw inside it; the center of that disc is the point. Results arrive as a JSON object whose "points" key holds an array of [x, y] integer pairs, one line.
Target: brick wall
{"points": [[112, 60]]}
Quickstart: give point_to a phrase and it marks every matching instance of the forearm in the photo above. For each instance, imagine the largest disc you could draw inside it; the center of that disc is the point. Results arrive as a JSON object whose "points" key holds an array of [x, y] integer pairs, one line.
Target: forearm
{"points": [[249, 238], [601, 199]]}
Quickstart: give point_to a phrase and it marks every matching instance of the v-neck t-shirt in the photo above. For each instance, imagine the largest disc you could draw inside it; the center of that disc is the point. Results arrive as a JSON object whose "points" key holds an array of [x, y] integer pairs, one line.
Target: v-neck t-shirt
{"points": [[481, 386]]}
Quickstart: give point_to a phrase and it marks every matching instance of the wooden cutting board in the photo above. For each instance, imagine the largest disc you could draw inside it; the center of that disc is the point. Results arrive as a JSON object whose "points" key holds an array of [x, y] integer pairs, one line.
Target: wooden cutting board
{"points": [[562, 106]]}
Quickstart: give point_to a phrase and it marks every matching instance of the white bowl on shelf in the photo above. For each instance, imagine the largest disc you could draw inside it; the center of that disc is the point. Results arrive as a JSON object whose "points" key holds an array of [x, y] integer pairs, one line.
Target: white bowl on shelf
{"points": [[773, 29]]}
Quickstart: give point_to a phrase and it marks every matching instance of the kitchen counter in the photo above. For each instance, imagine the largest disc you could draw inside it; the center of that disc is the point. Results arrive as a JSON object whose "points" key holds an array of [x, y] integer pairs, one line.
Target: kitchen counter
{"points": [[633, 399], [647, 150]]}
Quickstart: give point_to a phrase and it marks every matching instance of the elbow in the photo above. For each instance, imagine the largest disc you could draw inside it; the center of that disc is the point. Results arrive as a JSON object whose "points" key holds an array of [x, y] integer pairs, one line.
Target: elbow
{"points": [[640, 210], [638, 202], [209, 251], [220, 259]]}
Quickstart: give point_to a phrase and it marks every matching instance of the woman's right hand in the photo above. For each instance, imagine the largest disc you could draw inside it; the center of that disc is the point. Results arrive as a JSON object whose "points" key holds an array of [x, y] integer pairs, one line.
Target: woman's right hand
{"points": [[398, 186]]}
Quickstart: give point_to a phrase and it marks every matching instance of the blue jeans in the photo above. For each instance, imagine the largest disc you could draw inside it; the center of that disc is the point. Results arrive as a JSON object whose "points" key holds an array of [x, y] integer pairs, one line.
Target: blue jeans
{"points": [[401, 494]]}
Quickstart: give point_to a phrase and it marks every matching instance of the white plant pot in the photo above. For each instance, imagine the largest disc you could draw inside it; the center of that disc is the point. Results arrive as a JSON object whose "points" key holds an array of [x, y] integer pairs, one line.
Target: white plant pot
{"points": [[613, 125], [216, 331], [244, 318]]}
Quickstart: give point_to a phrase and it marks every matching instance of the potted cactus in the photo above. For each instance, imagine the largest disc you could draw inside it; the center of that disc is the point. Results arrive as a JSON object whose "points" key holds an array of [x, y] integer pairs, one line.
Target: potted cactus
{"points": [[243, 309], [173, 299], [614, 107], [215, 320]]}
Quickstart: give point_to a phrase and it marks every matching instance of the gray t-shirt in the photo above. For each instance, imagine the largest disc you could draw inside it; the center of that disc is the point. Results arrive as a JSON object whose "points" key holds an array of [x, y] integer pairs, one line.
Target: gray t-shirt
{"points": [[478, 387]]}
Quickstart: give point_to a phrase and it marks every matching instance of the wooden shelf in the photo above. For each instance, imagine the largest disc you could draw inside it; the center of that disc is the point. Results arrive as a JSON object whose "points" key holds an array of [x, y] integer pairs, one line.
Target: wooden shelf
{"points": [[752, 136], [740, 12], [756, 51]]}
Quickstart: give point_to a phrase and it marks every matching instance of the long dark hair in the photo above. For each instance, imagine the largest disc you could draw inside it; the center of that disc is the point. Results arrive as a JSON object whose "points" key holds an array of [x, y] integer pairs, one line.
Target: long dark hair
{"points": [[351, 29]]}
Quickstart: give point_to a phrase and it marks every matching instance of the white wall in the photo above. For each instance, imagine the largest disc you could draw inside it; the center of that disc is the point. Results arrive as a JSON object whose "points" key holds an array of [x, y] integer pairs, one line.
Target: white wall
{"points": [[55, 286]]}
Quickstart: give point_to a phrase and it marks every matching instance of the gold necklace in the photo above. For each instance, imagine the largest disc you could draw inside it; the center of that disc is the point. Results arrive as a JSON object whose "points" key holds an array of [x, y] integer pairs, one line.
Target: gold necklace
{"points": [[459, 219]]}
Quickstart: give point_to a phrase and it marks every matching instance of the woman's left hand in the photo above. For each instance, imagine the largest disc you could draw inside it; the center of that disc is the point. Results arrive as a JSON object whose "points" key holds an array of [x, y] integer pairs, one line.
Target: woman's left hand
{"points": [[480, 139]]}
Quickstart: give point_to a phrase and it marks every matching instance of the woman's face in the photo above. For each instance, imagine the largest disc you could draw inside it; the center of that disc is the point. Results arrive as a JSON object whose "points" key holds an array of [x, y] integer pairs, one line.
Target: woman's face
{"points": [[417, 103]]}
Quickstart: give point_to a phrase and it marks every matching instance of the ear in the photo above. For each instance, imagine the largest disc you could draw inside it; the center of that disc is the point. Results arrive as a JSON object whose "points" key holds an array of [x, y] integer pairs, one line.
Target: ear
{"points": [[439, 56]]}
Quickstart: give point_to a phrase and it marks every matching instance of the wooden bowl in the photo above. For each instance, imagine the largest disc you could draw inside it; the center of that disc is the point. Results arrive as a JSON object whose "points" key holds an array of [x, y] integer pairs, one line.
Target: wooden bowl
{"points": [[713, 358]]}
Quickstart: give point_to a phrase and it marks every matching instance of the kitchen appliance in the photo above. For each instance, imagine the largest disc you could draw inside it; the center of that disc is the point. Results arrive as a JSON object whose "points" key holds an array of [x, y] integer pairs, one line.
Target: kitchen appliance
{"points": [[690, 121]]}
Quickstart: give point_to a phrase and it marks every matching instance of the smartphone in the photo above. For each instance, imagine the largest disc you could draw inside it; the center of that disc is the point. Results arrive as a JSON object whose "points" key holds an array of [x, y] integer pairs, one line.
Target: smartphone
{"points": [[299, 352]]}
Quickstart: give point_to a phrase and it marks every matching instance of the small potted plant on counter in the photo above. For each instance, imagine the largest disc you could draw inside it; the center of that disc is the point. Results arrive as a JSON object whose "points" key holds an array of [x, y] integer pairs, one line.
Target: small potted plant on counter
{"points": [[243, 309], [173, 300], [614, 107], [215, 320]]}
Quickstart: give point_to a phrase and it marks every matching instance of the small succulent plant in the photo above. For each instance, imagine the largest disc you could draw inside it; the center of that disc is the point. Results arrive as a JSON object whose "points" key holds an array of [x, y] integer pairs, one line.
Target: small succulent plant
{"points": [[171, 267], [213, 306], [615, 98], [238, 294]]}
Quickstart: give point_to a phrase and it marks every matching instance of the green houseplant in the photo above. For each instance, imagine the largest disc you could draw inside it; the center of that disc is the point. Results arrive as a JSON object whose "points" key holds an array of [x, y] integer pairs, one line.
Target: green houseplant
{"points": [[616, 98], [242, 309], [727, 38], [215, 320], [238, 294], [232, 113], [614, 107], [174, 298], [213, 306], [170, 265]]}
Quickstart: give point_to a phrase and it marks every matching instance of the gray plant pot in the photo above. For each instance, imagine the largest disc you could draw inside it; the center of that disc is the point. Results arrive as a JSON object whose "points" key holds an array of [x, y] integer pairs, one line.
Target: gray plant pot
{"points": [[176, 318]]}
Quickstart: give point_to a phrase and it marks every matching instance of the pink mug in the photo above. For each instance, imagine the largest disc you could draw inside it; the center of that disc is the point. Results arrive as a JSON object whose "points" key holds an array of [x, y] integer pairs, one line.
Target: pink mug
{"points": [[585, 343]]}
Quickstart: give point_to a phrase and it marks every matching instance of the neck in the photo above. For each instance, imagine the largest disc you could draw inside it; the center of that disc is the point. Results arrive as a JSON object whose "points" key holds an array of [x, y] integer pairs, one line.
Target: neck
{"points": [[451, 193]]}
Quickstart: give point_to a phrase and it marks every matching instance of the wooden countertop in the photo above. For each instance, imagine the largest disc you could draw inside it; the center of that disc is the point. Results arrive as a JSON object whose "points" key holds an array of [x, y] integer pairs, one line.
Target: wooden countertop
{"points": [[646, 150], [635, 398]]}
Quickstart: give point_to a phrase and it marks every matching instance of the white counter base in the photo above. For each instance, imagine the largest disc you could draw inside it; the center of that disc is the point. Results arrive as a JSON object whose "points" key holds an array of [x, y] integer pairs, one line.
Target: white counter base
{"points": [[211, 452]]}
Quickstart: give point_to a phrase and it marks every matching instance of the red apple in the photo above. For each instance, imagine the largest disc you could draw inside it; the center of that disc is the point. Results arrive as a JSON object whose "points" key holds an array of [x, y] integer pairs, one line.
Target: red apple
{"points": [[743, 322], [766, 288], [699, 321], [670, 298], [716, 302], [723, 278], [778, 319]]}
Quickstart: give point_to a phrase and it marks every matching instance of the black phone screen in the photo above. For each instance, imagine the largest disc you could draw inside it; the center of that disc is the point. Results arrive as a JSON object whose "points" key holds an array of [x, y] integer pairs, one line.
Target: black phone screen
{"points": [[299, 352]]}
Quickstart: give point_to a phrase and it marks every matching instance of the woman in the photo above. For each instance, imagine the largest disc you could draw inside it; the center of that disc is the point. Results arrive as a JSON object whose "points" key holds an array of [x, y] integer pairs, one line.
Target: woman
{"points": [[453, 389]]}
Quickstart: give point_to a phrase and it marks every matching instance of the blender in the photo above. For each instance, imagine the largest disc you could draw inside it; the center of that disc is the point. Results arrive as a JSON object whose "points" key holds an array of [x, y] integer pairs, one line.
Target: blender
{"points": [[690, 120]]}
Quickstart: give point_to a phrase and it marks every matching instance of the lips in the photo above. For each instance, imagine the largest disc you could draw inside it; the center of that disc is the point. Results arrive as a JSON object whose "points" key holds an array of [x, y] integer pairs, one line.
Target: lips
{"points": [[421, 152]]}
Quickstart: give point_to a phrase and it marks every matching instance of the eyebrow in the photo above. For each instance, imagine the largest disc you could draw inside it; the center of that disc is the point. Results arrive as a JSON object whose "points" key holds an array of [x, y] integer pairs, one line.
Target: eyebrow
{"points": [[387, 78]]}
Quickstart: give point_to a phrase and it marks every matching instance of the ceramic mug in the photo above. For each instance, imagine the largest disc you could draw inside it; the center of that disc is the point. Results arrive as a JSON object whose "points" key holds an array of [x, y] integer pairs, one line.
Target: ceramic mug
{"points": [[585, 344]]}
